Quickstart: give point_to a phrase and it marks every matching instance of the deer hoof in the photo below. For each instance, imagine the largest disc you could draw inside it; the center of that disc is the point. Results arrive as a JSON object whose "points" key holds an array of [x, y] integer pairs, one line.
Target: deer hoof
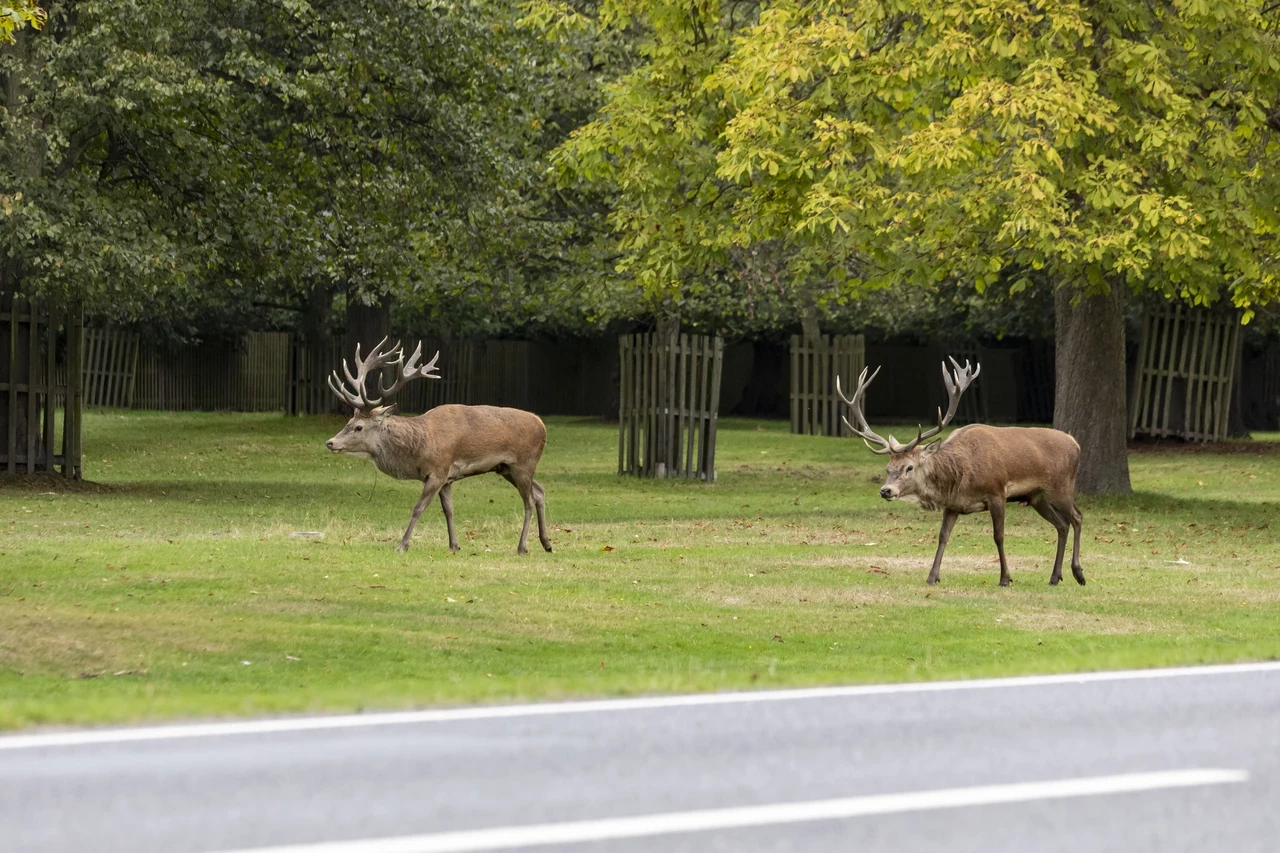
{"points": [[1006, 581], [402, 547], [931, 580], [547, 547]]}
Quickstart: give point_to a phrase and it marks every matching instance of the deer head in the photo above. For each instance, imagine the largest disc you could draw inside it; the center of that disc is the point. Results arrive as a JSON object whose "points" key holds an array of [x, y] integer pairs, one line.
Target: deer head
{"points": [[904, 474], [362, 436]]}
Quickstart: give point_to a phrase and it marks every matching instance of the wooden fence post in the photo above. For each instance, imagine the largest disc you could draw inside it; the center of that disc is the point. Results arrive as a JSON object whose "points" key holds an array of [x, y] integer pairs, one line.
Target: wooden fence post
{"points": [[669, 394], [1186, 367], [33, 386], [815, 364]]}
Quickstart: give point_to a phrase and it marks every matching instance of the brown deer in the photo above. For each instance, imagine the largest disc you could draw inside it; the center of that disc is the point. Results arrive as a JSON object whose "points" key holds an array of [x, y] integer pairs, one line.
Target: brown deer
{"points": [[978, 468], [442, 446]]}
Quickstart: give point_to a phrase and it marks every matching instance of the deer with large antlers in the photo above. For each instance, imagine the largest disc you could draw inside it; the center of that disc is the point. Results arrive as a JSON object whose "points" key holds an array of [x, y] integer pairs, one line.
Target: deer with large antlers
{"points": [[442, 446], [979, 468]]}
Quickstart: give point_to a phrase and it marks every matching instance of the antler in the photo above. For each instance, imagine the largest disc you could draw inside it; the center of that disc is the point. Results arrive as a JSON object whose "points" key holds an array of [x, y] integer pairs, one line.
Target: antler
{"points": [[355, 396], [407, 371], [955, 389], [862, 430]]}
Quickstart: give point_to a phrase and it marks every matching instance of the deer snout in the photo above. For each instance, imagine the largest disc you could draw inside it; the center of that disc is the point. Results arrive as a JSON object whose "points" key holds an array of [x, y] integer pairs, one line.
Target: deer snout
{"points": [[887, 492], [329, 444]]}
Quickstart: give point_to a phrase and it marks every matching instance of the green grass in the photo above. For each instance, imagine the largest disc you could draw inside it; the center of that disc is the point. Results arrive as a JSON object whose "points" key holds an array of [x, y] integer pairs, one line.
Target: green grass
{"points": [[174, 589]]}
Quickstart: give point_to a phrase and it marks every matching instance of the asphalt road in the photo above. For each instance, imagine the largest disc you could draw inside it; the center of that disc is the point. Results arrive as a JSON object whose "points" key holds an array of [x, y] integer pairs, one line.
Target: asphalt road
{"points": [[1164, 761]]}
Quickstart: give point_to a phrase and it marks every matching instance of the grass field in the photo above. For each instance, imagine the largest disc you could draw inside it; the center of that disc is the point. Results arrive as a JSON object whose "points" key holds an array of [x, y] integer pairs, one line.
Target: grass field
{"points": [[173, 588]]}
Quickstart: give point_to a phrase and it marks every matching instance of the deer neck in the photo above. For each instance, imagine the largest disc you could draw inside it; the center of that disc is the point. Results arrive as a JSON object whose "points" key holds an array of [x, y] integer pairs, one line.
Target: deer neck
{"points": [[398, 454]]}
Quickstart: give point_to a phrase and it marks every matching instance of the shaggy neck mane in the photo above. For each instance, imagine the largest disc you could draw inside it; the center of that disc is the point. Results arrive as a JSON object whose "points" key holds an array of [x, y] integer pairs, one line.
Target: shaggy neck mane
{"points": [[400, 441], [946, 471]]}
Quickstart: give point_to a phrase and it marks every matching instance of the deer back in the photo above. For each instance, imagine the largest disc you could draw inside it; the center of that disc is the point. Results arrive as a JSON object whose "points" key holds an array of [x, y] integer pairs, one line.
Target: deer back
{"points": [[1015, 460], [455, 441]]}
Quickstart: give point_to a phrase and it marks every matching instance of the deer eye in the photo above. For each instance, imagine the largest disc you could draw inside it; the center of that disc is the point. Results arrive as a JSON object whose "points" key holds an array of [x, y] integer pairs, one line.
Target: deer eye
{"points": [[359, 428], [909, 467]]}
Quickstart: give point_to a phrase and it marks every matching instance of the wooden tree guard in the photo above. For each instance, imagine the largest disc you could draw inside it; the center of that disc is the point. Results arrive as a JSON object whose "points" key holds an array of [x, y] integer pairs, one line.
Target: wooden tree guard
{"points": [[1186, 362], [110, 367], [669, 397], [815, 405], [33, 336]]}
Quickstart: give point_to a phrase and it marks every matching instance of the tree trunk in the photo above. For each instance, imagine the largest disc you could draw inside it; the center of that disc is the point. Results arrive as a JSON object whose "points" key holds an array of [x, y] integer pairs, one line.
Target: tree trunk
{"points": [[667, 446], [810, 323], [1089, 398], [366, 326]]}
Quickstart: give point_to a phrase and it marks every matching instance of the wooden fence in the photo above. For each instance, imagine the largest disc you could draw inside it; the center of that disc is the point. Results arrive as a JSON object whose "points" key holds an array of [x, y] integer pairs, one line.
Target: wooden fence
{"points": [[815, 405], [669, 396], [1186, 363], [34, 339], [242, 376], [110, 367], [306, 378], [276, 371], [973, 408]]}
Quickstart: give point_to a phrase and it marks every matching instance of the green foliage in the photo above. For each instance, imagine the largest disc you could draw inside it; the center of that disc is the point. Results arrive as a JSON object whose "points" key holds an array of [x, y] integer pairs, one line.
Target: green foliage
{"points": [[16, 14], [972, 142], [198, 159], [788, 570]]}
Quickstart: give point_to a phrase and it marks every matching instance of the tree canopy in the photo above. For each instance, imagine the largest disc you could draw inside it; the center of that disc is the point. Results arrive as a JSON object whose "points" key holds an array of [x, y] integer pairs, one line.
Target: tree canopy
{"points": [[190, 158], [977, 141]]}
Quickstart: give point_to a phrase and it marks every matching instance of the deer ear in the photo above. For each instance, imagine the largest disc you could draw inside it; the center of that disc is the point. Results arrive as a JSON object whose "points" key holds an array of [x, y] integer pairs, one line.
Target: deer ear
{"points": [[930, 449], [381, 412]]}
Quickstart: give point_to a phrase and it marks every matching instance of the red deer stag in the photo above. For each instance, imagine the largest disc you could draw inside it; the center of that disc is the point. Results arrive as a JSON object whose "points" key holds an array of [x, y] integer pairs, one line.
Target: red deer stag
{"points": [[978, 468], [442, 446]]}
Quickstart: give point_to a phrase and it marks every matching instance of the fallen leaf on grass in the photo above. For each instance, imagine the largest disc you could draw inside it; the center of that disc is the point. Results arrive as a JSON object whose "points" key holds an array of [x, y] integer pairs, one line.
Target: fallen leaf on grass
{"points": [[291, 657], [876, 570], [606, 548], [130, 672]]}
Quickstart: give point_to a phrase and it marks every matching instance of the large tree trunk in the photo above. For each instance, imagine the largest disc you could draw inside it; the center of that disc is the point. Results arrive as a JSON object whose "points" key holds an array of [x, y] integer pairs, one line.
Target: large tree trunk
{"points": [[367, 325], [1089, 398], [810, 320]]}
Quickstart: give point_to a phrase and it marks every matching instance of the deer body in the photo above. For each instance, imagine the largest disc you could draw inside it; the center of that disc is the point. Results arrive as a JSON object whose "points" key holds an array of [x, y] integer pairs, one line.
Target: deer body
{"points": [[447, 444], [980, 468]]}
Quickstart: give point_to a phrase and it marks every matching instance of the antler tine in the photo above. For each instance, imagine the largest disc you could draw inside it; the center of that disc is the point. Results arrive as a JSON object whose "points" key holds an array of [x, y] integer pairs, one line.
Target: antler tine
{"points": [[407, 371], [335, 385], [862, 430], [956, 386], [355, 395]]}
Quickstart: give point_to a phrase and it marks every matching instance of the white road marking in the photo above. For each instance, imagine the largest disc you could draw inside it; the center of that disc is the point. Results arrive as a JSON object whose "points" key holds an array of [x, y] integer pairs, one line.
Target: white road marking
{"points": [[645, 703], [537, 835]]}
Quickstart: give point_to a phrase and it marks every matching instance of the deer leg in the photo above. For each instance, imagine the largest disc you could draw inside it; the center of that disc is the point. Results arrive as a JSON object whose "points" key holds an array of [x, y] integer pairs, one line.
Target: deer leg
{"points": [[997, 530], [1051, 514], [524, 485], [1077, 571], [540, 503], [446, 504], [944, 535], [429, 489]]}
